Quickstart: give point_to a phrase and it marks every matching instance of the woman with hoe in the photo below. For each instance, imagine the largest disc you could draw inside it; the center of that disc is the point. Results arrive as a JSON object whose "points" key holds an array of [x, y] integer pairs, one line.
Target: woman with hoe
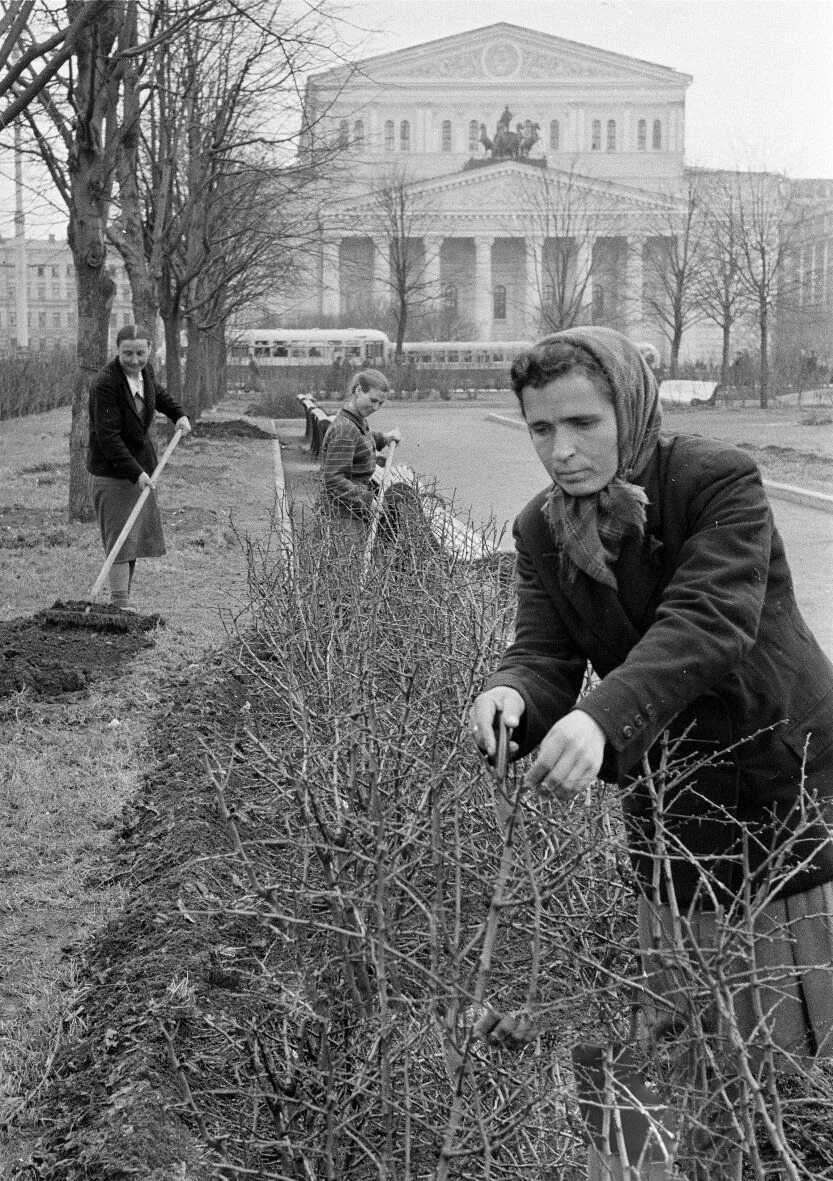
{"points": [[655, 559], [124, 398], [348, 460]]}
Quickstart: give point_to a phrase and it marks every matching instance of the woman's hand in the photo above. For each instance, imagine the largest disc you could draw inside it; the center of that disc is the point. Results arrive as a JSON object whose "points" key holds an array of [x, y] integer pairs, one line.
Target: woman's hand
{"points": [[482, 717], [182, 424], [569, 758], [144, 481]]}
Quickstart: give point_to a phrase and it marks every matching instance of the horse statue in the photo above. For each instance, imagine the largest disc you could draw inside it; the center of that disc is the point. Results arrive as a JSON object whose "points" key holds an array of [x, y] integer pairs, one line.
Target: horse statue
{"points": [[508, 144], [529, 136]]}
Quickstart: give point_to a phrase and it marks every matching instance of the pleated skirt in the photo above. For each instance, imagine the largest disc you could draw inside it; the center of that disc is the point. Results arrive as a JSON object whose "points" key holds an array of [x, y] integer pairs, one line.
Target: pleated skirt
{"points": [[774, 966], [113, 501]]}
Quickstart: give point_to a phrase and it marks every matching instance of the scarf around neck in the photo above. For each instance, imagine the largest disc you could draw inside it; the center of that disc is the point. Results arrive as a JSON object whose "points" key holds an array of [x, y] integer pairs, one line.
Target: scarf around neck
{"points": [[590, 529]]}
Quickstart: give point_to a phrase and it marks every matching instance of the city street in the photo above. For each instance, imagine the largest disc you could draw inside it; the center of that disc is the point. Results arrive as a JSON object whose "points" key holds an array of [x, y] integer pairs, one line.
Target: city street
{"points": [[490, 471]]}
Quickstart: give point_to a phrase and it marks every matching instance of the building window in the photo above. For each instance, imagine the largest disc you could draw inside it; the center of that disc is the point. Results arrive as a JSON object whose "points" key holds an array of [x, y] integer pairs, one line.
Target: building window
{"points": [[596, 141], [555, 135], [358, 133], [389, 135], [70, 271], [56, 319], [41, 289], [446, 135], [41, 319], [611, 135], [642, 135], [499, 302], [404, 136], [450, 297], [656, 142], [344, 134], [41, 272], [549, 295], [474, 135]]}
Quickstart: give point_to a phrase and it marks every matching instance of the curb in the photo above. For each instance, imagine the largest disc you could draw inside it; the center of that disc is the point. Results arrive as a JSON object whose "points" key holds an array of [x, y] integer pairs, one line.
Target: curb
{"points": [[790, 492]]}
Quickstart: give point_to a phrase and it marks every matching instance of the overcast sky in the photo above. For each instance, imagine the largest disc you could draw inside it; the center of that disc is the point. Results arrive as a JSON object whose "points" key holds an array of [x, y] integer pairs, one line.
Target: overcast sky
{"points": [[763, 69], [762, 90]]}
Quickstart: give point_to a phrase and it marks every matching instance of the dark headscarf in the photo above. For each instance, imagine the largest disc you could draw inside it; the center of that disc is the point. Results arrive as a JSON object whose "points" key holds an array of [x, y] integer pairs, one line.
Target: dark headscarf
{"points": [[590, 529]]}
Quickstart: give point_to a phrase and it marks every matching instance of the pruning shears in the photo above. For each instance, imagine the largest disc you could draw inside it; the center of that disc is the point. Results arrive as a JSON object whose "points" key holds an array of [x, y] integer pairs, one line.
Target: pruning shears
{"points": [[499, 761]]}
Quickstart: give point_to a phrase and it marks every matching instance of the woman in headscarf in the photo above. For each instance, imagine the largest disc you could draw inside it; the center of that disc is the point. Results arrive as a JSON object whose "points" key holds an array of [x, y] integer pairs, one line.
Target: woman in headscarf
{"points": [[348, 459], [655, 559]]}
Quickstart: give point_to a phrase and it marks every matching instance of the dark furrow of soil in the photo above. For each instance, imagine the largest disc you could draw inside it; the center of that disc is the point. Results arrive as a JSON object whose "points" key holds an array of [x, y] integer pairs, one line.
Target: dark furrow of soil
{"points": [[47, 661]]}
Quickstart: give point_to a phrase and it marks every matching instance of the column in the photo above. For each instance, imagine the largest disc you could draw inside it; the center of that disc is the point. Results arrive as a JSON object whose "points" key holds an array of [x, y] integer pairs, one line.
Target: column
{"points": [[432, 245], [381, 272], [483, 306], [584, 278], [535, 283], [634, 267], [330, 279]]}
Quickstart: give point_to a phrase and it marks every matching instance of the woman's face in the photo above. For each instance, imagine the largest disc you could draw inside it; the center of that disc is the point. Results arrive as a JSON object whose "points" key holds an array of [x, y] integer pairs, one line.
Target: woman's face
{"points": [[368, 402], [572, 424]]}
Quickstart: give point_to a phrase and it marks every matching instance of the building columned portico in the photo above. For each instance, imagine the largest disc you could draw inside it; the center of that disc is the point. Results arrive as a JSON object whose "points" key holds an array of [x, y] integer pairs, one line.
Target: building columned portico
{"points": [[503, 286]]}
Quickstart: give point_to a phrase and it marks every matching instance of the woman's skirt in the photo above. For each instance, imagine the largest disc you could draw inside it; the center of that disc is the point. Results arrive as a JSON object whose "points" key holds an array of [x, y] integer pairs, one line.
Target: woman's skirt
{"points": [[114, 500], [775, 968]]}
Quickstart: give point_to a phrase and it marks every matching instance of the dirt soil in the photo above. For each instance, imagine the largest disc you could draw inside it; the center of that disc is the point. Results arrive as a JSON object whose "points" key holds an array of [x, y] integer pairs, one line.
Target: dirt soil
{"points": [[48, 661]]}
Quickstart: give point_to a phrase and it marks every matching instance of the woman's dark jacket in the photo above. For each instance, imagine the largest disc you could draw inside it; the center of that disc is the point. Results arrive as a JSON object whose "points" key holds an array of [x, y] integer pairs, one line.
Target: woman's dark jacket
{"points": [[119, 445], [704, 640]]}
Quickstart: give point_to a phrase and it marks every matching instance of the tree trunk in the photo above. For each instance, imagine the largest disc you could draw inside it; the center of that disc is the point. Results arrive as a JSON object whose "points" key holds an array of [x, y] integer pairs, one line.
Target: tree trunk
{"points": [[192, 391], [764, 323], [89, 168], [724, 355], [674, 359], [95, 298], [173, 354]]}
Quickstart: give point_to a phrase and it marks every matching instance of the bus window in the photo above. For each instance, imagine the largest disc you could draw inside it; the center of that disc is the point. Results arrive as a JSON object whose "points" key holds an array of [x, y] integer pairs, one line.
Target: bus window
{"points": [[315, 352], [280, 350], [298, 353], [453, 358], [354, 350], [425, 358], [468, 358]]}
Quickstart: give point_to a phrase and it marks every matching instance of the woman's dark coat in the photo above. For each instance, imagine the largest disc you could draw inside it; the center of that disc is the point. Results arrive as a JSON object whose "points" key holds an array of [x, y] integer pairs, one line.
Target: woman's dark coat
{"points": [[705, 640], [119, 444]]}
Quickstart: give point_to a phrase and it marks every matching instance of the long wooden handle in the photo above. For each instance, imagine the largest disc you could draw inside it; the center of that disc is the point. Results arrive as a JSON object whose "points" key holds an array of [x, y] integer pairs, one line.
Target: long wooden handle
{"points": [[377, 510], [131, 520]]}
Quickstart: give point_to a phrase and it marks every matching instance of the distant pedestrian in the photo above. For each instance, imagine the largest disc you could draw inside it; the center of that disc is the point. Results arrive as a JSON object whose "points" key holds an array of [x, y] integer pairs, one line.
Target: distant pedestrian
{"points": [[124, 398]]}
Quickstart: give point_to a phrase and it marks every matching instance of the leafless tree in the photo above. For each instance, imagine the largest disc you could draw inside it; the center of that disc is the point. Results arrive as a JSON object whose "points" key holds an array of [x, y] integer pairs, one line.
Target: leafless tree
{"points": [[76, 125], [564, 216], [672, 263], [209, 219], [403, 221], [28, 64], [720, 294], [768, 220]]}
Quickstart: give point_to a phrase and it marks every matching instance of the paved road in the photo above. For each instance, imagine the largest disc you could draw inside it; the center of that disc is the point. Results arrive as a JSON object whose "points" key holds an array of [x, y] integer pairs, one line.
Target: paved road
{"points": [[491, 472]]}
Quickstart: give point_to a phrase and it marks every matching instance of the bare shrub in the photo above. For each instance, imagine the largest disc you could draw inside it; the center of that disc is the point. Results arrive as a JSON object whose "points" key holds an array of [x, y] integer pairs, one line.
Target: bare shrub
{"points": [[31, 383], [406, 901]]}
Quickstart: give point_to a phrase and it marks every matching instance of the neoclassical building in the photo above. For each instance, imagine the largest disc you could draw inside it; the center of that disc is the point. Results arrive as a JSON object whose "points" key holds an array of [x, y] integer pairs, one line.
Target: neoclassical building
{"points": [[504, 177], [565, 214]]}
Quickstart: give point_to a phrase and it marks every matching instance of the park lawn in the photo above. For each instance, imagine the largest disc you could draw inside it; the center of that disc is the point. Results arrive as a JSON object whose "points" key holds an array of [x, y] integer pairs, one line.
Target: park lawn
{"points": [[70, 766]]}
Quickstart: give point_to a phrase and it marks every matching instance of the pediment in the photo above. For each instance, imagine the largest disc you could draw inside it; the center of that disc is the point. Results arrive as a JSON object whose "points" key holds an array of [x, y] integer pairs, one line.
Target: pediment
{"points": [[520, 188], [502, 53]]}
